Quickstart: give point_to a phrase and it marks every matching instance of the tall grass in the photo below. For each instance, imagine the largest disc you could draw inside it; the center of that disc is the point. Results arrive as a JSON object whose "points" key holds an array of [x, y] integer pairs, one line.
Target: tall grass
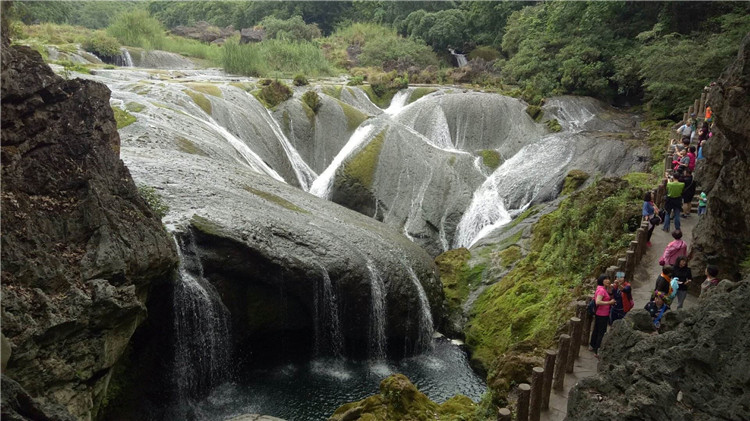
{"points": [[275, 57], [193, 48], [138, 29]]}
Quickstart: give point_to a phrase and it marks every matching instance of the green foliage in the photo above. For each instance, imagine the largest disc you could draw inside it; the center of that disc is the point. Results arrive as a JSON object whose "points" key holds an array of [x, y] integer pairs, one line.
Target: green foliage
{"points": [[137, 29], [553, 125], [153, 200], [275, 57], [485, 53], [122, 117], [440, 29], [300, 80], [274, 94], [362, 167], [383, 86], [573, 180], [458, 277], [89, 14], [102, 45], [192, 48], [292, 29], [312, 100], [490, 158], [356, 80], [535, 112]]}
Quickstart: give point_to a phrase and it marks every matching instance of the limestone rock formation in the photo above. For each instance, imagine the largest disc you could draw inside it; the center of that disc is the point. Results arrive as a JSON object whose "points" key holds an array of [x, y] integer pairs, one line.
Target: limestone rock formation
{"points": [[699, 369], [205, 32], [723, 234], [80, 247]]}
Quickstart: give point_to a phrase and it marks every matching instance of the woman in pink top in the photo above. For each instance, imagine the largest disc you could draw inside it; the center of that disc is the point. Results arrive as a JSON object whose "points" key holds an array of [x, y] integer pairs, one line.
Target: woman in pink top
{"points": [[603, 303], [674, 249]]}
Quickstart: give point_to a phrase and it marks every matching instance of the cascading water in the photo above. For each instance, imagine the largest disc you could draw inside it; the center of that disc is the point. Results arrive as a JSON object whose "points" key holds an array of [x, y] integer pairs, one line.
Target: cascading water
{"points": [[398, 102], [305, 175], [328, 337], [377, 346], [322, 186], [201, 328], [125, 58], [460, 58], [426, 329]]}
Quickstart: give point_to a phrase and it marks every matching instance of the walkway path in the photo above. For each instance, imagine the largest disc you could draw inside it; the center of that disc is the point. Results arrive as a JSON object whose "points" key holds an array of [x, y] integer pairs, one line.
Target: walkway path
{"points": [[643, 283]]}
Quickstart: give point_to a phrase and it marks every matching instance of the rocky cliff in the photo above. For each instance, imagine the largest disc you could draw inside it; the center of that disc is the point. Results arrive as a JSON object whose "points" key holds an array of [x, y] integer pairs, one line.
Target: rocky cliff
{"points": [[80, 248], [722, 237]]}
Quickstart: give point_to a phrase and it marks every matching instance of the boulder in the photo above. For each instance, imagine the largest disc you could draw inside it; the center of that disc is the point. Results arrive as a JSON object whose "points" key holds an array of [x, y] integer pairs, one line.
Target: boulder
{"points": [[726, 228], [80, 247], [255, 34], [699, 369]]}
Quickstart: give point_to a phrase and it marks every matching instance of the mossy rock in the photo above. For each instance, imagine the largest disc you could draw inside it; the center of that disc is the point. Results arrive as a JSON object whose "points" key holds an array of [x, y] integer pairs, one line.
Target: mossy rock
{"points": [[419, 93], [200, 100], [207, 226], [122, 117], [134, 107], [312, 100], [361, 168], [535, 112], [458, 277], [490, 158], [510, 255], [382, 101], [273, 94], [206, 88], [332, 91], [275, 199], [554, 125], [573, 180], [354, 117], [188, 146]]}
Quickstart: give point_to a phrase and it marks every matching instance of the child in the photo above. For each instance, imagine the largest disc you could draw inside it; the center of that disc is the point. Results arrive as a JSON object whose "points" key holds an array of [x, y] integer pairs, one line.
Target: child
{"points": [[702, 201]]}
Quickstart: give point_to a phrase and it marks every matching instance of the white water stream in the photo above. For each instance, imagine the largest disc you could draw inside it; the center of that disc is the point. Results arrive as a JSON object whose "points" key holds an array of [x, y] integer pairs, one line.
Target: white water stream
{"points": [[322, 185]]}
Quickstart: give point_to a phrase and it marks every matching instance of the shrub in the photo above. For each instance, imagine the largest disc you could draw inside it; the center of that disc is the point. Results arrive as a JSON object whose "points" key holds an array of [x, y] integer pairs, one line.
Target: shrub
{"points": [[292, 29], [535, 112], [153, 200], [274, 94], [554, 125], [312, 100], [356, 80], [137, 29], [275, 57], [485, 53], [102, 45], [300, 80]]}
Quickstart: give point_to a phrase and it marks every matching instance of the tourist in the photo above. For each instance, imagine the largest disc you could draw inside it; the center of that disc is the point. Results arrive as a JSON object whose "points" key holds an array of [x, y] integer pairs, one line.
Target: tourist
{"points": [[603, 303], [712, 273], [684, 276], [688, 192], [700, 150], [674, 202], [709, 115], [650, 214], [621, 293], [685, 130], [657, 308], [673, 250], [663, 281], [691, 158], [702, 202]]}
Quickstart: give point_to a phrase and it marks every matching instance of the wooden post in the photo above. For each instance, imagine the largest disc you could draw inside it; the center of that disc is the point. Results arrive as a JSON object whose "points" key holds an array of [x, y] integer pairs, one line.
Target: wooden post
{"points": [[575, 342], [503, 414], [640, 234], [586, 325], [702, 107], [691, 110], [696, 104], [524, 393], [621, 264], [562, 359], [684, 117], [549, 371], [537, 385], [629, 265]]}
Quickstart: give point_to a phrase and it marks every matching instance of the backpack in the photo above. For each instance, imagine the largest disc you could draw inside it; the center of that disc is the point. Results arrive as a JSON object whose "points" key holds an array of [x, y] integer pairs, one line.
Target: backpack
{"points": [[591, 307], [673, 288], [627, 302]]}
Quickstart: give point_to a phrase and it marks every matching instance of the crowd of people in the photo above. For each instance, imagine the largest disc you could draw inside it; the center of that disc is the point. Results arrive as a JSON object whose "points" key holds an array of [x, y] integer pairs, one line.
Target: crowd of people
{"points": [[613, 299]]}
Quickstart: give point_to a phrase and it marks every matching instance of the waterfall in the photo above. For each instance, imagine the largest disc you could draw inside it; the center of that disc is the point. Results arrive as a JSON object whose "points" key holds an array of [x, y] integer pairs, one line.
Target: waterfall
{"points": [[322, 185], [398, 102], [201, 327], [305, 175], [514, 184], [424, 338], [328, 337], [125, 57], [460, 58], [377, 346]]}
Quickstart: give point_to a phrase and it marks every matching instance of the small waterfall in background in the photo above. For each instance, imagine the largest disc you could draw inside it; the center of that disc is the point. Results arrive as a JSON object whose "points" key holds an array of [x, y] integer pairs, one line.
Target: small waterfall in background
{"points": [[328, 337], [377, 346], [426, 329], [203, 347], [124, 59], [460, 58]]}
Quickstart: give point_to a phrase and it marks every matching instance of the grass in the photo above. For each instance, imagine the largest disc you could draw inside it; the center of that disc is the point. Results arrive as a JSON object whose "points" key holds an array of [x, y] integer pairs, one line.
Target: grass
{"points": [[573, 180], [419, 93], [490, 158], [206, 88], [457, 276], [122, 117], [382, 101], [275, 57], [362, 167]]}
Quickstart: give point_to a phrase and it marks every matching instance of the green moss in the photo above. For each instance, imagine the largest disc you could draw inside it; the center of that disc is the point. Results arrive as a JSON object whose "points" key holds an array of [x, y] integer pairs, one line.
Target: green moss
{"points": [[573, 180], [245, 86], [554, 125], [134, 107], [206, 88], [490, 158], [200, 99], [312, 100], [122, 117], [154, 200], [458, 278], [452, 161], [381, 101], [273, 93], [535, 112], [641, 180], [332, 91], [419, 93], [659, 133], [275, 199], [362, 167], [509, 256], [188, 146], [354, 117], [286, 122]]}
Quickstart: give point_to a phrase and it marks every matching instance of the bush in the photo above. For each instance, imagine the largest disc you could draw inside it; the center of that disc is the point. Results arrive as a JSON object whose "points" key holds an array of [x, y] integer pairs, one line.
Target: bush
{"points": [[292, 29], [102, 45], [153, 200], [137, 29], [300, 80], [275, 57], [485, 53], [356, 80], [275, 93], [535, 112], [312, 100]]}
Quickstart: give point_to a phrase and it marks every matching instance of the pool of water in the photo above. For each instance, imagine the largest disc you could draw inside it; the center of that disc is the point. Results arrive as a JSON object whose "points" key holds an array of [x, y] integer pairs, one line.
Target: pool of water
{"points": [[313, 390]]}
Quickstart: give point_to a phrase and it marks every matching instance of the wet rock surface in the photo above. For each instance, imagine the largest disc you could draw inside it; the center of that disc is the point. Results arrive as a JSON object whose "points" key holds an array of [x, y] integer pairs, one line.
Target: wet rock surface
{"points": [[80, 248], [726, 228]]}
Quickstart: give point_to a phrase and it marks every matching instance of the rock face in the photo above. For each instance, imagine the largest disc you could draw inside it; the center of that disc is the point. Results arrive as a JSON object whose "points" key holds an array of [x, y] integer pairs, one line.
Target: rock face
{"points": [[205, 32], [722, 235], [699, 369], [80, 248]]}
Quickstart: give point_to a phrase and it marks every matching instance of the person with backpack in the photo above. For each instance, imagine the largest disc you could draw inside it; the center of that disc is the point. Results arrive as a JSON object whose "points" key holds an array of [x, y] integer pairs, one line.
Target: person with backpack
{"points": [[673, 250], [686, 130], [603, 302], [684, 277], [663, 281], [621, 293], [688, 192], [656, 308], [650, 213], [673, 202]]}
